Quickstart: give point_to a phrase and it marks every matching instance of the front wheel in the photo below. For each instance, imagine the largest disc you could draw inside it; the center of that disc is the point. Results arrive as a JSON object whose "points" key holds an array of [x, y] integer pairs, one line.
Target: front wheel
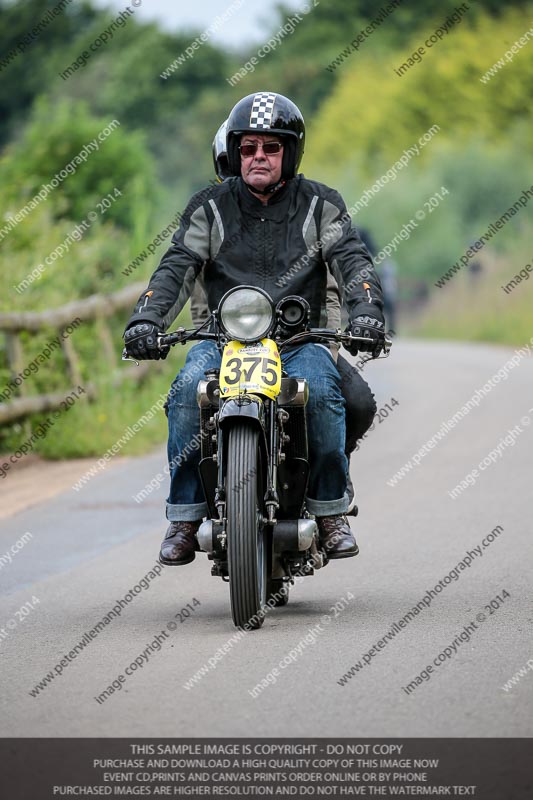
{"points": [[247, 540]]}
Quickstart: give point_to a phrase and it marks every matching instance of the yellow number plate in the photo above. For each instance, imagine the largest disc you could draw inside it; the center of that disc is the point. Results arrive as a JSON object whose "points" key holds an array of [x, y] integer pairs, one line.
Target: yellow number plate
{"points": [[250, 369]]}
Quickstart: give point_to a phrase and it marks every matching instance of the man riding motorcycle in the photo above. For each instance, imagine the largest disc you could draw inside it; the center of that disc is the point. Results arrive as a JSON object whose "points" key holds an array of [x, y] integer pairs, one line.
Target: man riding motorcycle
{"points": [[360, 405], [251, 229]]}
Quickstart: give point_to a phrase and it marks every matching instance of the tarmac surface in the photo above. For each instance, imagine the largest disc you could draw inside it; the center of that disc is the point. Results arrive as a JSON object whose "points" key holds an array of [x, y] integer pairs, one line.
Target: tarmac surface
{"points": [[89, 548]]}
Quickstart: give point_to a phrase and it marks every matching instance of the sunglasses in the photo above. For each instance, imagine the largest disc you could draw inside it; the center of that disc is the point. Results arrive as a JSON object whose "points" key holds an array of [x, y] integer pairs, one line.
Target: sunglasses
{"points": [[269, 148]]}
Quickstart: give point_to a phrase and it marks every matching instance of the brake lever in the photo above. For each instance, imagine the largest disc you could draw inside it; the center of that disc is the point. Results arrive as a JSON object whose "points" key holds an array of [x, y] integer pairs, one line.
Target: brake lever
{"points": [[385, 351], [164, 340], [127, 357]]}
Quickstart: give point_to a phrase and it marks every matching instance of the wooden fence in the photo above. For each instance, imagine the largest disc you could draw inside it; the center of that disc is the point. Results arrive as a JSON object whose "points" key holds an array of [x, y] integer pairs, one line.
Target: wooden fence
{"points": [[97, 308]]}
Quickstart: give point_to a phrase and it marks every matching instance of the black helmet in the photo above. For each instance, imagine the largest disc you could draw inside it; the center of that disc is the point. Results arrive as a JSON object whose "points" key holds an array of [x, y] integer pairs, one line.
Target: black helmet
{"points": [[220, 153], [267, 112]]}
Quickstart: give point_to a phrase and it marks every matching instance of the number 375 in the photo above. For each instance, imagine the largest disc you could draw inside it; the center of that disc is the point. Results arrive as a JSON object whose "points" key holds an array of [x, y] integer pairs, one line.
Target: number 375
{"points": [[239, 372]]}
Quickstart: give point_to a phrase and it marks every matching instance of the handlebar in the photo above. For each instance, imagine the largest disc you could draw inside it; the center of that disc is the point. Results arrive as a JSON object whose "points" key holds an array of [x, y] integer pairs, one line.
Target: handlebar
{"points": [[337, 336], [182, 336], [179, 336]]}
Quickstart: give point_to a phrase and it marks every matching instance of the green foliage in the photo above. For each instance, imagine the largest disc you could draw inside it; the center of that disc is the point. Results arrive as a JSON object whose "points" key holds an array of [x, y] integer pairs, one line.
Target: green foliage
{"points": [[480, 154], [91, 264], [298, 67], [361, 117], [123, 80], [26, 76], [477, 196], [91, 261], [392, 112], [54, 136], [91, 428], [478, 306]]}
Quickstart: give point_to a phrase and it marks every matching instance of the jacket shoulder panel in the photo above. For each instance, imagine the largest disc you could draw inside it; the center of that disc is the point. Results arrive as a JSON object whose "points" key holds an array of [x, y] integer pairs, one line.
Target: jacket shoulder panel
{"points": [[322, 190], [199, 198], [206, 194]]}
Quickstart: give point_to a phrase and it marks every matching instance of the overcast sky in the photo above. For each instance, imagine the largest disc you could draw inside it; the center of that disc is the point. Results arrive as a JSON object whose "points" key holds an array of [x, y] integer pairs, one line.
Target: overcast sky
{"points": [[248, 24]]}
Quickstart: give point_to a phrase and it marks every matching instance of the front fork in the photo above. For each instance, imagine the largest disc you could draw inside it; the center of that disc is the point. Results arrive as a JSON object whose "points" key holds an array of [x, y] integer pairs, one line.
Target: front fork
{"points": [[271, 501], [275, 440], [271, 495]]}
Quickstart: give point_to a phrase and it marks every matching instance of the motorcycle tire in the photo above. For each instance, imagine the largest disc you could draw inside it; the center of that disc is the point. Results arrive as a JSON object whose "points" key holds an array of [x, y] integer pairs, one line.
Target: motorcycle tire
{"points": [[247, 541]]}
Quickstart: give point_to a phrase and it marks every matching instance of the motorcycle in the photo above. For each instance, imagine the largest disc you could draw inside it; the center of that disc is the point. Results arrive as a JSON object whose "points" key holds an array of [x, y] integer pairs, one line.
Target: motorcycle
{"points": [[254, 465]]}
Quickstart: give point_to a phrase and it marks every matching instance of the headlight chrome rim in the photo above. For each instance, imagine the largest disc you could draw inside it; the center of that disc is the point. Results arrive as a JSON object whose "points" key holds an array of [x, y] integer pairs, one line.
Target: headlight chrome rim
{"points": [[240, 320]]}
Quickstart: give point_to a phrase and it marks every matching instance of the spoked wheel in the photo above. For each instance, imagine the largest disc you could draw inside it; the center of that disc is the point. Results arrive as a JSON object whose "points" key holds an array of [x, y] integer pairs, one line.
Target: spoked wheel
{"points": [[247, 540]]}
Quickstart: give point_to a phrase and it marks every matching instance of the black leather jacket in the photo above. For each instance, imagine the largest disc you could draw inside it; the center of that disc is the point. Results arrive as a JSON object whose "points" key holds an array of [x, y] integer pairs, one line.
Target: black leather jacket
{"points": [[227, 237]]}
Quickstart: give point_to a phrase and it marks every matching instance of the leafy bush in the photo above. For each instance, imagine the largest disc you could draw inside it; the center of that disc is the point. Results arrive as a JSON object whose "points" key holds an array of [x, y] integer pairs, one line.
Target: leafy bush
{"points": [[54, 136], [90, 263], [376, 114]]}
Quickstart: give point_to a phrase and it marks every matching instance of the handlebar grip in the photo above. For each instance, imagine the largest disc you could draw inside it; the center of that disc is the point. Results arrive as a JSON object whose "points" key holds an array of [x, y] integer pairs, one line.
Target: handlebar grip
{"points": [[166, 339]]}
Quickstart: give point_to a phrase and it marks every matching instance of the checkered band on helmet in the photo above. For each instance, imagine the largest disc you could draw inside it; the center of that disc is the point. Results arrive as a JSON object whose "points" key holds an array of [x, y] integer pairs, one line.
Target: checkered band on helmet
{"points": [[267, 112], [262, 110]]}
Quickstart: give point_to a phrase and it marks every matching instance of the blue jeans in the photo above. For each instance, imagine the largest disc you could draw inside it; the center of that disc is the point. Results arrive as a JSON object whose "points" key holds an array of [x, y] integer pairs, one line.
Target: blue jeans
{"points": [[326, 431]]}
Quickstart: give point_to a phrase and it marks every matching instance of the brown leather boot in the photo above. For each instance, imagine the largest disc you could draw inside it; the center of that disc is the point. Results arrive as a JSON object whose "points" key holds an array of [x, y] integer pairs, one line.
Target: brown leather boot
{"points": [[336, 537], [179, 544]]}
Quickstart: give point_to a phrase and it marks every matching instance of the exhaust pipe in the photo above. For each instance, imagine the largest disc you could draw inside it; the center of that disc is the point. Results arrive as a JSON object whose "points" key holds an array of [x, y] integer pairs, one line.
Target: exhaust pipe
{"points": [[289, 535], [204, 536], [294, 535]]}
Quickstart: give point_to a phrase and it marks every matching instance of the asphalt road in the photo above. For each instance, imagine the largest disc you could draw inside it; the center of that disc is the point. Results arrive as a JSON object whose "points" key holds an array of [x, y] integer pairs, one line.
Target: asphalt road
{"points": [[89, 548]]}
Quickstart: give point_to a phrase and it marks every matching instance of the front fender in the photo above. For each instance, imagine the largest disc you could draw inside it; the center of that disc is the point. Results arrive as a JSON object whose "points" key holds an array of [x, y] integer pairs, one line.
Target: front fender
{"points": [[253, 410]]}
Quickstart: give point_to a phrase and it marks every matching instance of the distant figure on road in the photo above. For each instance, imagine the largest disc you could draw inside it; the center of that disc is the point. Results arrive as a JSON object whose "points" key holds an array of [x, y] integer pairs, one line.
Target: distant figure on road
{"points": [[475, 268]]}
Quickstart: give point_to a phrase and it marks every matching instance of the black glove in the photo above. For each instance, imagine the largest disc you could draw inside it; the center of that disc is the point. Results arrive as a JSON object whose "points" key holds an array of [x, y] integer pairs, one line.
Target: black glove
{"points": [[370, 324], [141, 342]]}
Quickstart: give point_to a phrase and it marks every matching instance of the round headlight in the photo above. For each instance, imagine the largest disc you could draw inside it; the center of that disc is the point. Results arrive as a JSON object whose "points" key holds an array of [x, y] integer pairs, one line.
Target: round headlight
{"points": [[246, 314]]}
